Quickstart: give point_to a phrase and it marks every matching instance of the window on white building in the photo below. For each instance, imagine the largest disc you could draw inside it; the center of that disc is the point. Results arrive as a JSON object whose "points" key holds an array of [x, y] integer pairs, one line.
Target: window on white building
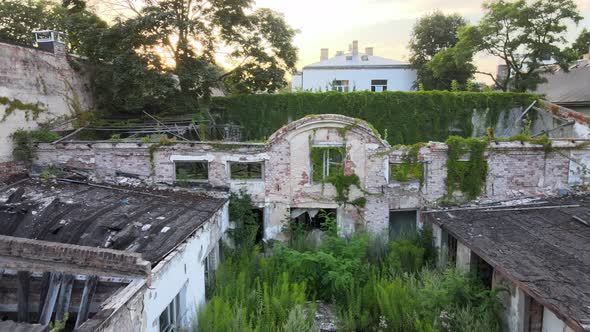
{"points": [[340, 85], [192, 171], [378, 85], [170, 317], [326, 162], [246, 170]]}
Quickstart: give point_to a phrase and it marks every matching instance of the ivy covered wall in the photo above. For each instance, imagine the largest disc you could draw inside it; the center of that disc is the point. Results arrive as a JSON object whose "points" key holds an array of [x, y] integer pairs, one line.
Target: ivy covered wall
{"points": [[400, 117]]}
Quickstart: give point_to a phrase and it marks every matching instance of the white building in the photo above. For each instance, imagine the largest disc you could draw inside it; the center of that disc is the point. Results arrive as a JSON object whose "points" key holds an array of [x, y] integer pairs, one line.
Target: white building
{"points": [[354, 71]]}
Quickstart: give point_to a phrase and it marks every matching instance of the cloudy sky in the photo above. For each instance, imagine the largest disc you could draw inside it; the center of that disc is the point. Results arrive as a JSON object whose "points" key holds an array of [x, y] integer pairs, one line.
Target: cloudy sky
{"points": [[383, 24]]}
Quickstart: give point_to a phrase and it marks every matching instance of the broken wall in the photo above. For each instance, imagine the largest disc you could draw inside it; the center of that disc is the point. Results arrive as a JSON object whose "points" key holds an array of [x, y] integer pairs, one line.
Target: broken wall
{"points": [[32, 76], [514, 169]]}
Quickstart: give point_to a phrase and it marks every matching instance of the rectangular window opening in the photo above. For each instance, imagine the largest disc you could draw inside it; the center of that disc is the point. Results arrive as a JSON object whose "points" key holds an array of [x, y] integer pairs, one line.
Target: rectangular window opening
{"points": [[482, 270], [378, 85], [259, 215], [187, 171], [170, 317], [402, 224], [452, 250], [246, 170], [340, 85], [326, 162], [310, 219], [406, 172]]}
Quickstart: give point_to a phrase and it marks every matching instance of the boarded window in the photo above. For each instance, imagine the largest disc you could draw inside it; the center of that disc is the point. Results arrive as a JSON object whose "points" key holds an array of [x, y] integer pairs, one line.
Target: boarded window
{"points": [[252, 171], [326, 162], [192, 170], [401, 223]]}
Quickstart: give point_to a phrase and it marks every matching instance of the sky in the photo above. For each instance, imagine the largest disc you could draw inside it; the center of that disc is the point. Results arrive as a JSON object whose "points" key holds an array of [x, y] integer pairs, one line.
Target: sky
{"points": [[385, 25]]}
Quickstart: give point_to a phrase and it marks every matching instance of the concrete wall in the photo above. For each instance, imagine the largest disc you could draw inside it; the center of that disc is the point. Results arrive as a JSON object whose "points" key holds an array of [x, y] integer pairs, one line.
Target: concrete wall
{"points": [[398, 79], [34, 76]]}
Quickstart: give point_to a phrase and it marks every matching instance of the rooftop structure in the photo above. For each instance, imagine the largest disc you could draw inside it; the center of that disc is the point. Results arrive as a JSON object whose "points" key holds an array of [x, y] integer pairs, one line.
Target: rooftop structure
{"points": [[97, 251], [569, 89], [539, 247]]}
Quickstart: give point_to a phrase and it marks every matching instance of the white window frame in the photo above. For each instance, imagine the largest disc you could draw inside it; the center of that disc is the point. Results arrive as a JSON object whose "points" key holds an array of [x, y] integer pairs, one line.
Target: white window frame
{"points": [[341, 87], [379, 87], [172, 316]]}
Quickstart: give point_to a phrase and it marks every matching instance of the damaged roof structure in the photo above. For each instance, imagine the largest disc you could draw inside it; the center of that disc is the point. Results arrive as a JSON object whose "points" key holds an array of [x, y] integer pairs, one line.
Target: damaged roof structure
{"points": [[78, 252], [541, 249]]}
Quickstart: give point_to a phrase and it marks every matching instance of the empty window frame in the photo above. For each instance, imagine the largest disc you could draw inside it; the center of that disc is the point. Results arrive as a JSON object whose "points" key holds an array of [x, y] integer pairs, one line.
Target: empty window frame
{"points": [[170, 317], [402, 223], [340, 85], [246, 170], [378, 85], [191, 171], [405, 172], [326, 162]]}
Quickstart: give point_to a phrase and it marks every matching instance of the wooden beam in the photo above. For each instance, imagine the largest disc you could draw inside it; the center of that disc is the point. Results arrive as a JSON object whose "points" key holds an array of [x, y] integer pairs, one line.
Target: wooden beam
{"points": [[51, 298], [44, 288], [24, 283], [87, 295], [63, 301]]}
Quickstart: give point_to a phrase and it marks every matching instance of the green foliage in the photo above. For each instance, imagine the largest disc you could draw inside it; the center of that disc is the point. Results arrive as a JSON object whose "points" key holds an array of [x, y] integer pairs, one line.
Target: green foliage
{"points": [[298, 321], [411, 168], [405, 256], [408, 117], [582, 44], [243, 234], [469, 175], [44, 135], [22, 141], [433, 33], [14, 104], [521, 34]]}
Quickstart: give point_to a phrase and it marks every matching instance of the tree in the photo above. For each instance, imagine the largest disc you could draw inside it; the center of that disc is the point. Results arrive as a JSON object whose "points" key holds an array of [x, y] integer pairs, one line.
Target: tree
{"points": [[522, 34], [18, 19], [432, 34], [582, 44], [190, 34]]}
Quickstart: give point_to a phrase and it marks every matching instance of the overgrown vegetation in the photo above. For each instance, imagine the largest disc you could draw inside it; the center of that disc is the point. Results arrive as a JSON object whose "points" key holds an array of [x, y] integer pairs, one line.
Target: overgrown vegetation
{"points": [[22, 141], [410, 168], [406, 117], [370, 284], [466, 166]]}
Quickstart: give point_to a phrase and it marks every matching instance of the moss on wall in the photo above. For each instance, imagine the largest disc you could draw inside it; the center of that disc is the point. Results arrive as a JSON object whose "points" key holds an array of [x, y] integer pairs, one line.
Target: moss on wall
{"points": [[31, 110], [406, 117]]}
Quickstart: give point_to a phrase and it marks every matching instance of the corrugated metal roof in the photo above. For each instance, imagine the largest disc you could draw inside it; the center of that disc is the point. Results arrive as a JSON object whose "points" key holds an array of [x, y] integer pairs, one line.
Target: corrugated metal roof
{"points": [[358, 61], [572, 87]]}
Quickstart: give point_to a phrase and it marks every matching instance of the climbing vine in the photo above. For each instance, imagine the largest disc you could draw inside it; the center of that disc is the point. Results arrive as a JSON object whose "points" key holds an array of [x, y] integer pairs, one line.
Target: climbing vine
{"points": [[410, 168], [466, 166], [401, 117], [154, 147], [15, 104]]}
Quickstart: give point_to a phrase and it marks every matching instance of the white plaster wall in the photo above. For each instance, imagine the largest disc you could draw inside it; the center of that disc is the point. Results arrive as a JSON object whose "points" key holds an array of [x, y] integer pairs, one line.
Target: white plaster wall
{"points": [[34, 76], [398, 79], [553, 324], [184, 268], [513, 301]]}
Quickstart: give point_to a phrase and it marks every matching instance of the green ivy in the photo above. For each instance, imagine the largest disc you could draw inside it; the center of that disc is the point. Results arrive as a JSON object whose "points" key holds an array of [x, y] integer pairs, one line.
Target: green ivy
{"points": [[410, 168], [406, 117], [15, 104], [467, 176]]}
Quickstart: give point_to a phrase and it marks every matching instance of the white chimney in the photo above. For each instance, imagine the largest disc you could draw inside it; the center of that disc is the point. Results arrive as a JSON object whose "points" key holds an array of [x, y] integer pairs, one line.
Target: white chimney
{"points": [[369, 51], [324, 54], [355, 47]]}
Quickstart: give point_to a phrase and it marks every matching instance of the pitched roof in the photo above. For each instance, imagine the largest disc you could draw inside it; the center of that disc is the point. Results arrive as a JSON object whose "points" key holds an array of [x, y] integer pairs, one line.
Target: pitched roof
{"points": [[361, 60], [571, 88], [544, 249], [147, 222]]}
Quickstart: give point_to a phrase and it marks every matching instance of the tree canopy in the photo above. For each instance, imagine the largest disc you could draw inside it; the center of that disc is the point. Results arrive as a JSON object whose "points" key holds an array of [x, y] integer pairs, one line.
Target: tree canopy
{"points": [[431, 34], [522, 35], [170, 53], [582, 44]]}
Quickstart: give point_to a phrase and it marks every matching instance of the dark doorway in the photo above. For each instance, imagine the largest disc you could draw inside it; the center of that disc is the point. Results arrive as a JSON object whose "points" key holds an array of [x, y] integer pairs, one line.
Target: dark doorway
{"points": [[259, 215], [482, 270], [311, 219], [452, 250], [402, 223]]}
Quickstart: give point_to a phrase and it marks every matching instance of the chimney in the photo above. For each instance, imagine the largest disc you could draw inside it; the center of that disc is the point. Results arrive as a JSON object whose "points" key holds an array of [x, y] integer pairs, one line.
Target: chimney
{"points": [[355, 47], [369, 51], [324, 54], [51, 41]]}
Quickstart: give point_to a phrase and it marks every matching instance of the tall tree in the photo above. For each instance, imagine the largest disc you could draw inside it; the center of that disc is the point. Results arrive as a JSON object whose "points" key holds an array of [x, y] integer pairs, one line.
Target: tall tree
{"points": [[522, 35], [582, 44], [432, 34]]}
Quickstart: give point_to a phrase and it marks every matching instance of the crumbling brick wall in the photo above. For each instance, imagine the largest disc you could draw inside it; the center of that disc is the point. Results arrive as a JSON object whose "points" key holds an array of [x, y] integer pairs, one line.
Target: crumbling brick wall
{"points": [[11, 169], [515, 169]]}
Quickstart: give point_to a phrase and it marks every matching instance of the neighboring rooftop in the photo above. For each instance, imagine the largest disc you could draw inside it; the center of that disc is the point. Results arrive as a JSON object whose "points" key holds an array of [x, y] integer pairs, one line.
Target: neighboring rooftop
{"points": [[151, 223], [568, 88], [355, 59], [543, 249]]}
